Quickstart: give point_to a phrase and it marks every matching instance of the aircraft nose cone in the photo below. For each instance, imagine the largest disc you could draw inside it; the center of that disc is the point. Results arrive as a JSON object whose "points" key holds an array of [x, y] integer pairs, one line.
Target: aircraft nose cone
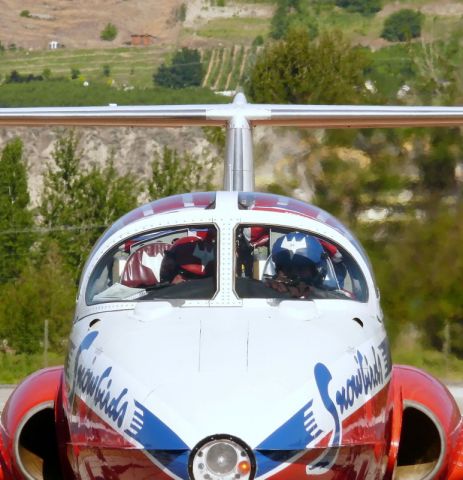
{"points": [[221, 458]]}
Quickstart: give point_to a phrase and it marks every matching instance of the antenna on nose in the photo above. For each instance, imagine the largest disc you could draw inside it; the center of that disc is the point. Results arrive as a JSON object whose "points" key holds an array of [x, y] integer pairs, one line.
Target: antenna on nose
{"points": [[239, 162]]}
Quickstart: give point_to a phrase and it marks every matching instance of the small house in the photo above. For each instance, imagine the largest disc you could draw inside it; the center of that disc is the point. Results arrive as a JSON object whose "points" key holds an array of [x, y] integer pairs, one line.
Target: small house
{"points": [[53, 45], [142, 40]]}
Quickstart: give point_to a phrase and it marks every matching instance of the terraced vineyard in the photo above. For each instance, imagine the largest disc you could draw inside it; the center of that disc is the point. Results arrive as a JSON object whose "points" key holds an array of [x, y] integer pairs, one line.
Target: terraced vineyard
{"points": [[225, 67]]}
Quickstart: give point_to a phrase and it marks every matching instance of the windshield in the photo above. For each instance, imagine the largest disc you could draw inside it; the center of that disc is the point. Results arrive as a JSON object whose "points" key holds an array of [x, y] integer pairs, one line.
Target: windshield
{"points": [[276, 262], [169, 263], [278, 203]]}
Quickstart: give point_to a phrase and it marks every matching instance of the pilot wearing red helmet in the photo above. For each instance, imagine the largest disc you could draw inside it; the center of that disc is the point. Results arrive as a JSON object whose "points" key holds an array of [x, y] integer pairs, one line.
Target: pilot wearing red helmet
{"points": [[190, 258]]}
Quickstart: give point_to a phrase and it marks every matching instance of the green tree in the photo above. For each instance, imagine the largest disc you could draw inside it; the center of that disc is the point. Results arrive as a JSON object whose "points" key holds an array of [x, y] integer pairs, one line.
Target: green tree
{"points": [[60, 197], [403, 25], [349, 187], [45, 290], [301, 70], [419, 269], [104, 196], [292, 14], [109, 32], [77, 204], [280, 21], [185, 71], [216, 137], [16, 219], [174, 173], [439, 70], [438, 152]]}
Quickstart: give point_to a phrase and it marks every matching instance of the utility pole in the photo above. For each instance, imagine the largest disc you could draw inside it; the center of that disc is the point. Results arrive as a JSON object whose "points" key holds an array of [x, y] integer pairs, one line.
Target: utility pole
{"points": [[45, 343]]}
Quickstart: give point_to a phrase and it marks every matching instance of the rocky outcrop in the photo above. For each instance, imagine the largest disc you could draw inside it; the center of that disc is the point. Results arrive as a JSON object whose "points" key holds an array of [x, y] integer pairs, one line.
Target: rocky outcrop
{"points": [[132, 148]]}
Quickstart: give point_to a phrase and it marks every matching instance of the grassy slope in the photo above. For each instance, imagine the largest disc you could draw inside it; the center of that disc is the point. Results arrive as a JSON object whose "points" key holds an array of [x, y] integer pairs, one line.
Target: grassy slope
{"points": [[14, 368], [235, 29], [69, 93]]}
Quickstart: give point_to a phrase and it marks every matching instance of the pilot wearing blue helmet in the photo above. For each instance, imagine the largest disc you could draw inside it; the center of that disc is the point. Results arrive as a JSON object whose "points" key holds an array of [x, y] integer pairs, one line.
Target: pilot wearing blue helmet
{"points": [[300, 266]]}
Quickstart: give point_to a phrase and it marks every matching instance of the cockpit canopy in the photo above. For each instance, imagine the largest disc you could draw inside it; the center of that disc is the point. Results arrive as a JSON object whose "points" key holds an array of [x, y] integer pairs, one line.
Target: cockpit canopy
{"points": [[269, 261]]}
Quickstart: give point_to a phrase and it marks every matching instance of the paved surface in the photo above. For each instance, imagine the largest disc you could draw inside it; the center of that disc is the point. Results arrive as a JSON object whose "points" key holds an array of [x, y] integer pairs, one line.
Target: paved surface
{"points": [[5, 391], [457, 392]]}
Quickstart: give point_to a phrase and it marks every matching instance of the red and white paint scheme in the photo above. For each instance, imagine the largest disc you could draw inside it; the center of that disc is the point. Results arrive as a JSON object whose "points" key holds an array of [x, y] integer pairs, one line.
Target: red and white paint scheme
{"points": [[200, 350]]}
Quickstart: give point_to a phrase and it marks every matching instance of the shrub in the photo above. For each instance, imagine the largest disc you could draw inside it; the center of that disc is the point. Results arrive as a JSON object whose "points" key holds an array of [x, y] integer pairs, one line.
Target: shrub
{"points": [[180, 14], [75, 72], [46, 73], [109, 32], [16, 77], [402, 25], [106, 70], [364, 7], [258, 41], [25, 13]]}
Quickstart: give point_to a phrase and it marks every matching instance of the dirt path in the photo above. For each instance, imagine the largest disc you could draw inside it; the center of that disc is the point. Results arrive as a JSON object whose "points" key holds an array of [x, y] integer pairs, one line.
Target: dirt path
{"points": [[234, 52], [243, 62], [209, 67]]}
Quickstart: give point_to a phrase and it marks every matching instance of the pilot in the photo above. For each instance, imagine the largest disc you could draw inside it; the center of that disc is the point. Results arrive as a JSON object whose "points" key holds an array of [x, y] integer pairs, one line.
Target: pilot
{"points": [[190, 258], [300, 266]]}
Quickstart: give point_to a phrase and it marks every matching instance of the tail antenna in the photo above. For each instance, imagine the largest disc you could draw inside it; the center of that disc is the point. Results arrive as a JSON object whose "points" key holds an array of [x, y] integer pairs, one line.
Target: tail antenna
{"points": [[239, 162]]}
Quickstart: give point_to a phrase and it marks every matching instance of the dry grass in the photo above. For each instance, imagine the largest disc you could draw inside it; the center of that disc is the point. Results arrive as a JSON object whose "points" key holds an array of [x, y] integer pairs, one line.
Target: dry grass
{"points": [[78, 24]]}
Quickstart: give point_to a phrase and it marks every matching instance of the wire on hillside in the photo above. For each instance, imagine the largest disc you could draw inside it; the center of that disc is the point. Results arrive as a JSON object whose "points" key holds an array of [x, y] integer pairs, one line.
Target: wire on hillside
{"points": [[58, 228]]}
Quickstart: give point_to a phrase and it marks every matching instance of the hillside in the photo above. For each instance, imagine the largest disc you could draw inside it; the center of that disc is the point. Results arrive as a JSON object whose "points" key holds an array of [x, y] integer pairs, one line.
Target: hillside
{"points": [[224, 36], [31, 24], [78, 23]]}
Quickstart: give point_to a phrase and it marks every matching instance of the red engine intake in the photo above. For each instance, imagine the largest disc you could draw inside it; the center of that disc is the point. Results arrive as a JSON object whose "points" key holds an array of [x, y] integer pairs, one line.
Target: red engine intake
{"points": [[430, 432], [33, 430]]}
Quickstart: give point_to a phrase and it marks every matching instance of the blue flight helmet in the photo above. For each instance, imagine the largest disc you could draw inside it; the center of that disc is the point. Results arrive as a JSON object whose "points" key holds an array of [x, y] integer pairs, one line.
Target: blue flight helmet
{"points": [[300, 257]]}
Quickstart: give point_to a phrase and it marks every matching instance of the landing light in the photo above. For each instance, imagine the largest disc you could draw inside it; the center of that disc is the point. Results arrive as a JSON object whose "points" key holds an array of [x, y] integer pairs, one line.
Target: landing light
{"points": [[221, 458]]}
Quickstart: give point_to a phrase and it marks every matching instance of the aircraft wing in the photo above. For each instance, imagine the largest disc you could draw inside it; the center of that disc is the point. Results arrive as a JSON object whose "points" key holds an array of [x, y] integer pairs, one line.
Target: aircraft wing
{"points": [[233, 115]]}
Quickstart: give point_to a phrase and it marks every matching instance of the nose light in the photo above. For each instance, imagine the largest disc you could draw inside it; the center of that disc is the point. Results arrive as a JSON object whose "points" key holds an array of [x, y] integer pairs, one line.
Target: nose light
{"points": [[221, 457]]}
